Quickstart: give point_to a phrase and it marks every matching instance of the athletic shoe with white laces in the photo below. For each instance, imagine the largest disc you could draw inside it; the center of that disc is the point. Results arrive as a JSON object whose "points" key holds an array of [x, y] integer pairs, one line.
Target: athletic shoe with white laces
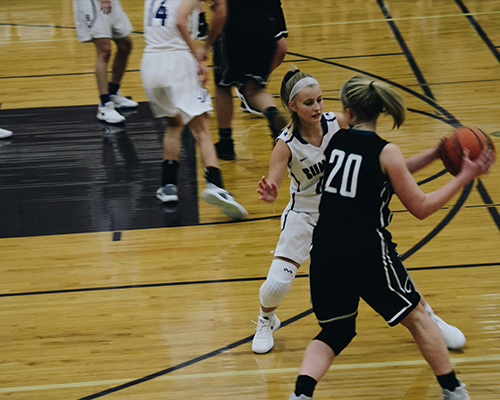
{"points": [[120, 101], [220, 197], [245, 106], [167, 193], [108, 113], [4, 133], [263, 339], [453, 337], [458, 394], [293, 396]]}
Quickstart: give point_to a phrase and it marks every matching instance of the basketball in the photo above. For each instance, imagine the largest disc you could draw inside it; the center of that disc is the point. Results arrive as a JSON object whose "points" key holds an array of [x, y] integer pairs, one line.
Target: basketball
{"points": [[451, 151]]}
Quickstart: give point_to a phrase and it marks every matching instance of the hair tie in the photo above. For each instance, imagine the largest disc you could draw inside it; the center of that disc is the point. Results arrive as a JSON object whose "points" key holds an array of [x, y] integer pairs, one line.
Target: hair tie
{"points": [[301, 84]]}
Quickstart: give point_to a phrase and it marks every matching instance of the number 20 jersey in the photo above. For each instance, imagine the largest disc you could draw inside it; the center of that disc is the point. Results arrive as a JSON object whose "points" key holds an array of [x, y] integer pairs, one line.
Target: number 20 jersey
{"points": [[356, 192]]}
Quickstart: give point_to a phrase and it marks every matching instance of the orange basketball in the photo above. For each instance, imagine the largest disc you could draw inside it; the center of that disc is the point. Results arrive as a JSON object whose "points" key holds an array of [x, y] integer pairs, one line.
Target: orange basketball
{"points": [[451, 151]]}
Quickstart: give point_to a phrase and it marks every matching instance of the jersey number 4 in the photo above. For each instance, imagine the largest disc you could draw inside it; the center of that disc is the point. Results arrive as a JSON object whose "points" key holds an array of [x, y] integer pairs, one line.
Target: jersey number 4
{"points": [[160, 14], [350, 173]]}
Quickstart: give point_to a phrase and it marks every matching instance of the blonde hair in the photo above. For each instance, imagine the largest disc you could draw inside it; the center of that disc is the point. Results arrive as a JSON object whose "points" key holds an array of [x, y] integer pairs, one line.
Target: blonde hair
{"points": [[367, 99], [289, 81]]}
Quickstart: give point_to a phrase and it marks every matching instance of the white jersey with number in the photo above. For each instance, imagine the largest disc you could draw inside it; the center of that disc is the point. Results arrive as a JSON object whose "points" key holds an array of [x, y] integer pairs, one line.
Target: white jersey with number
{"points": [[306, 165], [160, 25]]}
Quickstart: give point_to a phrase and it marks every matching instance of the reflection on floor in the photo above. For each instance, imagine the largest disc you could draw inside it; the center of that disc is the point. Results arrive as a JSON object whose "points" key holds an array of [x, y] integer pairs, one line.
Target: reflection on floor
{"points": [[64, 171]]}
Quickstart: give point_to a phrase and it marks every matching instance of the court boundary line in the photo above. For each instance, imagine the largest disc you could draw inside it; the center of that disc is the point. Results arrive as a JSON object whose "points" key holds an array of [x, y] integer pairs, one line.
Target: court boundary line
{"points": [[216, 281]]}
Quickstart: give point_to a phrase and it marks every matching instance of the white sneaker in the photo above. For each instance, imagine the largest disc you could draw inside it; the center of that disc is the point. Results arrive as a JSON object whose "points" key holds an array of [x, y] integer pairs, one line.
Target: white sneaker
{"points": [[4, 133], [245, 106], [453, 337], [458, 394], [263, 339], [293, 396], [120, 101], [108, 113], [220, 197], [167, 193]]}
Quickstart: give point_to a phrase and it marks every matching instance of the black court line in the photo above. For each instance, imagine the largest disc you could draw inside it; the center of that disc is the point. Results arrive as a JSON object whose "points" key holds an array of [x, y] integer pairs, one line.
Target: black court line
{"points": [[189, 362], [38, 26], [478, 29], [448, 118], [244, 341], [487, 200], [435, 176], [465, 193], [409, 56]]}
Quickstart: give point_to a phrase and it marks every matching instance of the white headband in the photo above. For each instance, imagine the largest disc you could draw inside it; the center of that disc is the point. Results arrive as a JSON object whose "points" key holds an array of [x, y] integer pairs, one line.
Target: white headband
{"points": [[304, 82]]}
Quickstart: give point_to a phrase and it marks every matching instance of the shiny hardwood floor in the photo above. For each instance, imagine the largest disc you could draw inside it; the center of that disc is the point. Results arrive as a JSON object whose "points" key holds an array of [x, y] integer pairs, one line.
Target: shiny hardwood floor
{"points": [[104, 296]]}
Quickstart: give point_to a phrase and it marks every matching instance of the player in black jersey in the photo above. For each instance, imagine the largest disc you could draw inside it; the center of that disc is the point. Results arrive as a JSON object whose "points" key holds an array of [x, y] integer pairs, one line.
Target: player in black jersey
{"points": [[353, 256], [247, 50]]}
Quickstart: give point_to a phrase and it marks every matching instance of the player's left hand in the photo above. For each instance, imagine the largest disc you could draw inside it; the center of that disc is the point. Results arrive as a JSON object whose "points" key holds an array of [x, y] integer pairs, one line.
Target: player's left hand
{"points": [[268, 191]]}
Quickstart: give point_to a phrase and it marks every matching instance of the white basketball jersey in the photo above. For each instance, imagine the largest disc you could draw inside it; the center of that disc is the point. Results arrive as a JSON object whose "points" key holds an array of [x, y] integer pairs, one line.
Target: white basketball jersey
{"points": [[160, 25], [306, 165]]}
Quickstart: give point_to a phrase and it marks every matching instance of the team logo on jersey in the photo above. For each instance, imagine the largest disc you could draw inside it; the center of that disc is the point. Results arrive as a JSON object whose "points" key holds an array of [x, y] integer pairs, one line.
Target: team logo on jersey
{"points": [[315, 169]]}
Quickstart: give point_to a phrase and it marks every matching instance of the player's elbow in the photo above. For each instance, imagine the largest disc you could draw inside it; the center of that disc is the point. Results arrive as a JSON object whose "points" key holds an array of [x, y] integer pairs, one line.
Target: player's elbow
{"points": [[418, 211]]}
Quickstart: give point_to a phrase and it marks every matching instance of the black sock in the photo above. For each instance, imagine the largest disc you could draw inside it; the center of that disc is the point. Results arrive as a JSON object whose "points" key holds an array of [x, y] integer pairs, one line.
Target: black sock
{"points": [[448, 381], [113, 87], [169, 170], [213, 175], [305, 385], [225, 133], [104, 98], [270, 113], [201, 18]]}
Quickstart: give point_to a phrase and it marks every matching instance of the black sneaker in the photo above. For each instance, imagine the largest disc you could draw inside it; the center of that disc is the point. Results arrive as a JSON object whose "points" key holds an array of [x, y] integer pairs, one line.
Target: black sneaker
{"points": [[202, 31], [278, 124], [225, 149]]}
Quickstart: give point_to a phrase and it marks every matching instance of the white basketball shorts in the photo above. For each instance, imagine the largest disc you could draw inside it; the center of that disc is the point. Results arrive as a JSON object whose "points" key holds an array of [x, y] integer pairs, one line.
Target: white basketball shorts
{"points": [[296, 235], [92, 23], [171, 82]]}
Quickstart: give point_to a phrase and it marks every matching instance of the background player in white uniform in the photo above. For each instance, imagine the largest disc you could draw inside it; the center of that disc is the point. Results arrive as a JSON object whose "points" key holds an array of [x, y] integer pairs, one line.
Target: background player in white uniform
{"points": [[100, 21], [171, 67], [300, 148]]}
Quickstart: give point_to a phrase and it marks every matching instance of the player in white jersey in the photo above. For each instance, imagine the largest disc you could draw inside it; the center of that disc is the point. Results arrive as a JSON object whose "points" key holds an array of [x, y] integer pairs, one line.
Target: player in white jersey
{"points": [[173, 74], [100, 21], [300, 149]]}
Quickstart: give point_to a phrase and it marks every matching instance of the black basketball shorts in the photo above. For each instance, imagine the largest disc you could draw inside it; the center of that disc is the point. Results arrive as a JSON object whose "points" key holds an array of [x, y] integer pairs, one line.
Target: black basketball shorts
{"points": [[349, 264]]}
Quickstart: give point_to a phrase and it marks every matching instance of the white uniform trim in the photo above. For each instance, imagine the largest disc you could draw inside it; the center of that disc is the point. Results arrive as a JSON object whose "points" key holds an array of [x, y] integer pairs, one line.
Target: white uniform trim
{"points": [[389, 271]]}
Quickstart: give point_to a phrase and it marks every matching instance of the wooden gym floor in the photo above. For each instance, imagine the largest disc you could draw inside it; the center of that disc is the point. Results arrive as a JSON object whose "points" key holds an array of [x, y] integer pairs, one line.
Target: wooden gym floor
{"points": [[107, 294]]}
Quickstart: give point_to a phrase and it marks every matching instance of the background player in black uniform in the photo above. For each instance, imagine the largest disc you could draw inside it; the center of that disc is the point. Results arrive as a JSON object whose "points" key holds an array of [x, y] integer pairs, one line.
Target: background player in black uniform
{"points": [[353, 255], [244, 55]]}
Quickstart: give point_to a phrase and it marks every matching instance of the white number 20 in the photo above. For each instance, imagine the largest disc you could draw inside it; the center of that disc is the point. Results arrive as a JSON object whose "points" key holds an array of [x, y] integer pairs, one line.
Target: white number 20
{"points": [[349, 183]]}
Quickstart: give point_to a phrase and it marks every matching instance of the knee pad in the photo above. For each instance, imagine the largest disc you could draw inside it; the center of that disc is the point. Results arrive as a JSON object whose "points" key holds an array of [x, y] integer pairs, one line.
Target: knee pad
{"points": [[278, 282], [338, 334]]}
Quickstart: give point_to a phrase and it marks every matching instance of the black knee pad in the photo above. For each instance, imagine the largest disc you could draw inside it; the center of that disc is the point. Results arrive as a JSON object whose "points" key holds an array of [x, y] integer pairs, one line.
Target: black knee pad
{"points": [[338, 334]]}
